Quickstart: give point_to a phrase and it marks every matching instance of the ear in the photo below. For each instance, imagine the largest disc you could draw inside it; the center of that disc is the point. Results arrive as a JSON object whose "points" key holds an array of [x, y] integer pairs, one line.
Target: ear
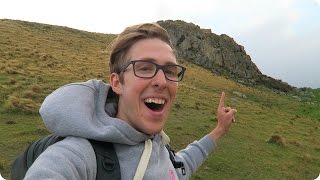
{"points": [[115, 83]]}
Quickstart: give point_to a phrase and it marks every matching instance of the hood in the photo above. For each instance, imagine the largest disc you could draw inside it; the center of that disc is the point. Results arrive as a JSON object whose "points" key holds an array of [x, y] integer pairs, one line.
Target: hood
{"points": [[88, 110]]}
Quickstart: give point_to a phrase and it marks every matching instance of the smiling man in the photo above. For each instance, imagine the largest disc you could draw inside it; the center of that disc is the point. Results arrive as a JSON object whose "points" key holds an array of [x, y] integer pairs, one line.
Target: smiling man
{"points": [[130, 112], [149, 85]]}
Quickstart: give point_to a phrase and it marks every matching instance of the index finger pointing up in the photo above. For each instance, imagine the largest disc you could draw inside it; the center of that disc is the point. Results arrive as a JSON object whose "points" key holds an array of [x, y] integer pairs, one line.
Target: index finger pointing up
{"points": [[221, 103]]}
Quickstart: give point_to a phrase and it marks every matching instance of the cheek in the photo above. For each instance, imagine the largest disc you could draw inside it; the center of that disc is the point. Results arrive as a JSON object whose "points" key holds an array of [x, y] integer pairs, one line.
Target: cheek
{"points": [[173, 90], [131, 83], [136, 88]]}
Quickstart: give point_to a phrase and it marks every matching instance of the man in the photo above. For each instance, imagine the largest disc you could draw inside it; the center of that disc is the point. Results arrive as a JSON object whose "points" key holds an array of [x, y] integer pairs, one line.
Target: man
{"points": [[130, 113]]}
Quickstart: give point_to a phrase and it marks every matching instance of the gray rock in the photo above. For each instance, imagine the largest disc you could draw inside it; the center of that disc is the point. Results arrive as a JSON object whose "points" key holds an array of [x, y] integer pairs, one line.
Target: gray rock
{"points": [[218, 53]]}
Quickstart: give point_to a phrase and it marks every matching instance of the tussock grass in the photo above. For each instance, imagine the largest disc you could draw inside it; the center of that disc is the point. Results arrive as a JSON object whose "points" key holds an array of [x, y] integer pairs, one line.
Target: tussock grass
{"points": [[15, 103], [276, 139], [35, 59]]}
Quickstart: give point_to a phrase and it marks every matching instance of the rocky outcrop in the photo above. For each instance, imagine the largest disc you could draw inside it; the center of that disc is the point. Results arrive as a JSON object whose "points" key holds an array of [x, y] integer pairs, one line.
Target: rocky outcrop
{"points": [[218, 53]]}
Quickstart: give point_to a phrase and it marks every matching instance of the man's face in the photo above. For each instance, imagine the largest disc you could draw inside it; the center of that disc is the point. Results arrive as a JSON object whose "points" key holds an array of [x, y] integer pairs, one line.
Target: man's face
{"points": [[145, 103]]}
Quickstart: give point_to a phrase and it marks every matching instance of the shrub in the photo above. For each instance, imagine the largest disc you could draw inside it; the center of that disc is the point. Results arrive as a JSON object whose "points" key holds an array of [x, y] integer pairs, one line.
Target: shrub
{"points": [[276, 139], [11, 122]]}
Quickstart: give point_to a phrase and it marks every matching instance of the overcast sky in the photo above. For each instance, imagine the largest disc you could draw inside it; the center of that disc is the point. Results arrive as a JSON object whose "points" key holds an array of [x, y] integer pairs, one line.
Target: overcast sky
{"points": [[281, 36]]}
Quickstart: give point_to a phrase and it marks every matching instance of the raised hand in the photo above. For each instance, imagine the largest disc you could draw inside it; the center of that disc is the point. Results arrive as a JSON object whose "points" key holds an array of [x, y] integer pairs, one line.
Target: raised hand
{"points": [[225, 117]]}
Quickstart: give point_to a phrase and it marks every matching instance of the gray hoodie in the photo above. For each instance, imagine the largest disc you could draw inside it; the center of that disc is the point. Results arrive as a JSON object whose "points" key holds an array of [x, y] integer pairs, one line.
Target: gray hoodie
{"points": [[86, 110]]}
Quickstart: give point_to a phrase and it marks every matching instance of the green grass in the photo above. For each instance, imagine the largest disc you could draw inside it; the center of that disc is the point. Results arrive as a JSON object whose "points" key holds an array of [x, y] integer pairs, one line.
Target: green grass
{"points": [[245, 153], [17, 130], [35, 59]]}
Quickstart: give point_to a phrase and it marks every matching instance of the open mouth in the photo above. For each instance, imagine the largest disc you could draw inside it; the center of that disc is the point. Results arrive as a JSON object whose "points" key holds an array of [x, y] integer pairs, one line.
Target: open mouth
{"points": [[155, 104]]}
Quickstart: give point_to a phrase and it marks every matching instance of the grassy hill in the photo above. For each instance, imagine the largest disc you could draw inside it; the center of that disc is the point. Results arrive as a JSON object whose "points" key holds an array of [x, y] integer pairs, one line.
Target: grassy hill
{"points": [[276, 135]]}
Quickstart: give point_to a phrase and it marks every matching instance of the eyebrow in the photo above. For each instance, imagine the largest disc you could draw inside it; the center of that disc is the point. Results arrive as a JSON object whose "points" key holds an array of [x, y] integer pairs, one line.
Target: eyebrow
{"points": [[154, 61]]}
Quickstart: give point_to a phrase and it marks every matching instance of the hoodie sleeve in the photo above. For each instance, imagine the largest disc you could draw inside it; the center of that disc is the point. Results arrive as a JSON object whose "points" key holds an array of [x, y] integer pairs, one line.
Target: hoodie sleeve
{"points": [[70, 159], [194, 155]]}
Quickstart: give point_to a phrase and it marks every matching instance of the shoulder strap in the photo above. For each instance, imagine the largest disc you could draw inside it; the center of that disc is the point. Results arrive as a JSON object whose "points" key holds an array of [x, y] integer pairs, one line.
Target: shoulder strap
{"points": [[107, 161], [24, 161], [176, 164], [108, 166], [36, 148]]}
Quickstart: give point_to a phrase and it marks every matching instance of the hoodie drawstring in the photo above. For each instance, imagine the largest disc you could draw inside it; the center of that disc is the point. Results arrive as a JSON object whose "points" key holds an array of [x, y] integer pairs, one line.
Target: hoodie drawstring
{"points": [[164, 138], [142, 166], [144, 160]]}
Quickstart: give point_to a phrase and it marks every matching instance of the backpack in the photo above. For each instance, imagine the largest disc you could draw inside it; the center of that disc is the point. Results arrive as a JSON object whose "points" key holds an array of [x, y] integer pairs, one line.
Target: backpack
{"points": [[107, 161]]}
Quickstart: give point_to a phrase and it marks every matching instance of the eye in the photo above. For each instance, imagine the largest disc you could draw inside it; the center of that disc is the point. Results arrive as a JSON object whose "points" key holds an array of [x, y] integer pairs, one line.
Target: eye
{"points": [[171, 73], [171, 70], [144, 67]]}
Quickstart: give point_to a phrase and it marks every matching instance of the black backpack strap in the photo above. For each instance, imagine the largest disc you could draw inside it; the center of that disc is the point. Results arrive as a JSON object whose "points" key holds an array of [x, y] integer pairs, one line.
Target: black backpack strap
{"points": [[176, 164], [108, 166], [107, 161], [36, 148], [24, 161]]}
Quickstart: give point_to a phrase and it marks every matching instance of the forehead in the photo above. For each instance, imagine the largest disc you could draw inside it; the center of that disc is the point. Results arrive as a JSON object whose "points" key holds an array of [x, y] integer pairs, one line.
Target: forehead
{"points": [[155, 49]]}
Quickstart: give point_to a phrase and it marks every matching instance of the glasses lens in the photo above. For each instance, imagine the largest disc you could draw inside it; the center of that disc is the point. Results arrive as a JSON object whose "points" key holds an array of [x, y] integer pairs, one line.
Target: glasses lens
{"points": [[144, 69], [173, 72]]}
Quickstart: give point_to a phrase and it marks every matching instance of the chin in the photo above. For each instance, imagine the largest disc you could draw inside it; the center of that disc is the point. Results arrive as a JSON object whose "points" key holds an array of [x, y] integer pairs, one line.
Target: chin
{"points": [[153, 131]]}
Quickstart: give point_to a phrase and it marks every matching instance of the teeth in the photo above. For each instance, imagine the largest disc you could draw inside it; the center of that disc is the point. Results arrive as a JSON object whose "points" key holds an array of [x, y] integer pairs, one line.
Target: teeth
{"points": [[154, 100]]}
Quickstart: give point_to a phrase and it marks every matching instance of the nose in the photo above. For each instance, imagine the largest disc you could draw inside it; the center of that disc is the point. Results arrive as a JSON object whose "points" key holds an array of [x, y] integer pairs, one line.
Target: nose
{"points": [[159, 79]]}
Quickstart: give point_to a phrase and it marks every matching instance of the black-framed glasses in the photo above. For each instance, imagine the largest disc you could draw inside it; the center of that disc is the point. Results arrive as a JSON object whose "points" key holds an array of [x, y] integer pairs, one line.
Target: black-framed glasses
{"points": [[148, 69]]}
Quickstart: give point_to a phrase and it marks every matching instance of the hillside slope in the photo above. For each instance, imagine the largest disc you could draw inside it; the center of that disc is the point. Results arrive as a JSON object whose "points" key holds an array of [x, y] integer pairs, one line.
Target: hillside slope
{"points": [[33, 56], [275, 136]]}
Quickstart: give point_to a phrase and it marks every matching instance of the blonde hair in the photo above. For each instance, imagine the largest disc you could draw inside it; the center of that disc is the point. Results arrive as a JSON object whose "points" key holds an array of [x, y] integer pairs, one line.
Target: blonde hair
{"points": [[132, 34]]}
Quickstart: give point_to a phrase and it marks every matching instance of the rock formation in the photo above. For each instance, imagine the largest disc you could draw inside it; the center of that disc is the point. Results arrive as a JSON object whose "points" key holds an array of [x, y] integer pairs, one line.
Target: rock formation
{"points": [[218, 53]]}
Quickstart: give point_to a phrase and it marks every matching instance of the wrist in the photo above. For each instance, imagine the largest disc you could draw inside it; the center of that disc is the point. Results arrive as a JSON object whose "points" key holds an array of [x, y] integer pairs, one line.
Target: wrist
{"points": [[216, 134]]}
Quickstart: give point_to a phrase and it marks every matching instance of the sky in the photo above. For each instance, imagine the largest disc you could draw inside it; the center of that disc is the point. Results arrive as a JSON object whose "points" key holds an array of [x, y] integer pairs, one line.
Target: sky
{"points": [[282, 37]]}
